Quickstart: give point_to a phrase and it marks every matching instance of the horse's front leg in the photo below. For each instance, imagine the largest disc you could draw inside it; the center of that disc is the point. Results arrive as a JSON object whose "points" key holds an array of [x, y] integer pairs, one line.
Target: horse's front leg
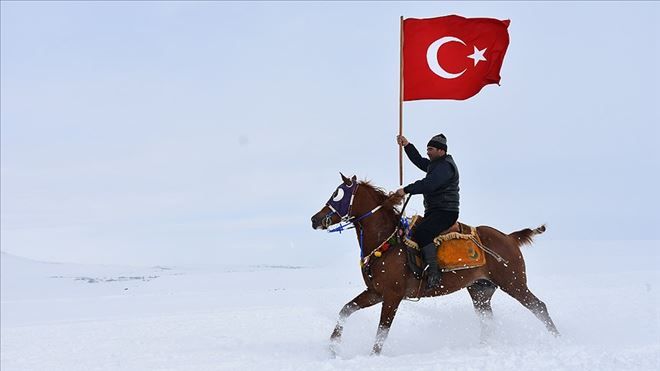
{"points": [[366, 299], [387, 312]]}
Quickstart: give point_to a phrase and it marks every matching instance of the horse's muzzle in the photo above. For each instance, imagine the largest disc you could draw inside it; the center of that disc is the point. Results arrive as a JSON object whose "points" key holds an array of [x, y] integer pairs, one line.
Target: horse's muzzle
{"points": [[322, 222], [316, 222]]}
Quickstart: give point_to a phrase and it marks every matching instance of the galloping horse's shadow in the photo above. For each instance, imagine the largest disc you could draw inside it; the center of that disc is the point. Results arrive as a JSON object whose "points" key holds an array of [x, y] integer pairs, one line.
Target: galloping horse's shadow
{"points": [[376, 217]]}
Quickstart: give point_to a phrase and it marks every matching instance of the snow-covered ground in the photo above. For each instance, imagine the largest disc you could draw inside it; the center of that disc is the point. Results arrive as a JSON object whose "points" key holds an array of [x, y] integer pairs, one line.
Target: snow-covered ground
{"points": [[603, 296]]}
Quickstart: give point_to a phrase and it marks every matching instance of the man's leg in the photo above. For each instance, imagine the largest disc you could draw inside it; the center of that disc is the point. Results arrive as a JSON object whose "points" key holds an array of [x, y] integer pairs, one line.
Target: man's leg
{"points": [[430, 254], [424, 235], [430, 227]]}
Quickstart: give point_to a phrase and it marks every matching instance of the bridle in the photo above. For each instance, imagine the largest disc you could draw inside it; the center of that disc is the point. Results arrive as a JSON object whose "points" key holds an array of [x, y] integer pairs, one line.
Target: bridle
{"points": [[343, 210], [348, 221]]}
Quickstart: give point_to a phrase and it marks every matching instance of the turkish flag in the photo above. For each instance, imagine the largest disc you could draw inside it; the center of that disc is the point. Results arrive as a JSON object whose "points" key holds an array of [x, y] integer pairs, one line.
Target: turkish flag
{"points": [[451, 57]]}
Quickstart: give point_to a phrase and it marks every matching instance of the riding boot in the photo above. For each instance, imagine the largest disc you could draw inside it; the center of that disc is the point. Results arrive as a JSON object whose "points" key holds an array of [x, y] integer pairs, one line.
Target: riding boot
{"points": [[429, 253]]}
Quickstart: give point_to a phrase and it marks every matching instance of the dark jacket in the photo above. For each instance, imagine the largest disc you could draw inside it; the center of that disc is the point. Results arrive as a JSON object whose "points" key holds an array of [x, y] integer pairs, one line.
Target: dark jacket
{"points": [[440, 186]]}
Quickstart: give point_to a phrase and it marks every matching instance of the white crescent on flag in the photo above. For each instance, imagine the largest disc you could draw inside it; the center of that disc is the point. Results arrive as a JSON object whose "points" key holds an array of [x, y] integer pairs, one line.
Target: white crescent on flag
{"points": [[433, 60]]}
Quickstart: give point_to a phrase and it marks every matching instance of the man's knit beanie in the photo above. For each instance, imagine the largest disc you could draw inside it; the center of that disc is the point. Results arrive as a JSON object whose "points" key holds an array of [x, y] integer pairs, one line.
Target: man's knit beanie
{"points": [[439, 141]]}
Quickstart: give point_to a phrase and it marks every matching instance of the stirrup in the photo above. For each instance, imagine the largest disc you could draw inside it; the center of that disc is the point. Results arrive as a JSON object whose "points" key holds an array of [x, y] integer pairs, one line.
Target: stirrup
{"points": [[434, 283], [437, 281]]}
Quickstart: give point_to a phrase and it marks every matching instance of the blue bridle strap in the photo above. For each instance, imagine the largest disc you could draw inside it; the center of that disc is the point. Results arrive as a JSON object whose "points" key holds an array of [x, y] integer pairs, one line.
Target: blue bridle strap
{"points": [[361, 243], [350, 223]]}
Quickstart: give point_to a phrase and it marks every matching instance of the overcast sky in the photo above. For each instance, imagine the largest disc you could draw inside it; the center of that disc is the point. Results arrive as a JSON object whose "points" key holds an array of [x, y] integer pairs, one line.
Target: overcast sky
{"points": [[178, 133]]}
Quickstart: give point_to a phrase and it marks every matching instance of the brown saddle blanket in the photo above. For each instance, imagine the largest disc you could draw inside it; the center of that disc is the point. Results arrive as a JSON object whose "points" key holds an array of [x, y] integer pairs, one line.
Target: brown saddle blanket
{"points": [[458, 248]]}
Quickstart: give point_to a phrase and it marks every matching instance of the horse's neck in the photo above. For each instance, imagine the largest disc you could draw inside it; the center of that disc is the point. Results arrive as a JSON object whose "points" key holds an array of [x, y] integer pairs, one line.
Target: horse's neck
{"points": [[376, 228]]}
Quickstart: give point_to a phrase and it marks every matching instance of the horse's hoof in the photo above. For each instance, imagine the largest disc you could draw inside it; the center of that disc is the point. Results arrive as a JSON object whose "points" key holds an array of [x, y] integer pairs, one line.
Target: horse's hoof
{"points": [[333, 348], [553, 330], [375, 352]]}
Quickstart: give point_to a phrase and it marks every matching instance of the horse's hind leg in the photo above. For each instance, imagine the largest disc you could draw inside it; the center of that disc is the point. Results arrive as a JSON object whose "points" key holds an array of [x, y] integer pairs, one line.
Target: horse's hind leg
{"points": [[364, 299], [481, 292], [531, 302]]}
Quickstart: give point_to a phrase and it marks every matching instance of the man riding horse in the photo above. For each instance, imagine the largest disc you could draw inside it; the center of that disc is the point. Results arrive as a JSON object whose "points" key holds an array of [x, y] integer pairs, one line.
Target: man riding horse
{"points": [[375, 216], [441, 198]]}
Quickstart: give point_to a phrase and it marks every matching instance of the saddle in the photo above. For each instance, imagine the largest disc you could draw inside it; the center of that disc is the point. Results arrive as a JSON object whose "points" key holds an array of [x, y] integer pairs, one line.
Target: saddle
{"points": [[458, 248]]}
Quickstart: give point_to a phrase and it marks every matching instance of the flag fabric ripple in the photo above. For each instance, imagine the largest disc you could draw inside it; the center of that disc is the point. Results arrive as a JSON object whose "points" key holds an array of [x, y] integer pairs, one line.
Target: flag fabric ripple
{"points": [[452, 57]]}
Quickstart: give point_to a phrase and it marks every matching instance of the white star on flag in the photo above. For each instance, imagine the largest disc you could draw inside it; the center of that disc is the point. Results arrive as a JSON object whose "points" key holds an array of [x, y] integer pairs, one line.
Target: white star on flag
{"points": [[478, 55]]}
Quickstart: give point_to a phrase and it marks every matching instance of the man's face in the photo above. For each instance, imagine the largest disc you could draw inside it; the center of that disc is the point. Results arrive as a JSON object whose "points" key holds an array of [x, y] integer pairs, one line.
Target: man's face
{"points": [[434, 153]]}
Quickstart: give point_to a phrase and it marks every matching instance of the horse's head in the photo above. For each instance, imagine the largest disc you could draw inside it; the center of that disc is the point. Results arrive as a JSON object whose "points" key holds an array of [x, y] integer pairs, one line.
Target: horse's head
{"points": [[352, 203], [339, 206]]}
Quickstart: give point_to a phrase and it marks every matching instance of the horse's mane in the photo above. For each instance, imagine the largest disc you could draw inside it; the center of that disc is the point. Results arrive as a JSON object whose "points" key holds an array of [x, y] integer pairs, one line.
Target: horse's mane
{"points": [[389, 202]]}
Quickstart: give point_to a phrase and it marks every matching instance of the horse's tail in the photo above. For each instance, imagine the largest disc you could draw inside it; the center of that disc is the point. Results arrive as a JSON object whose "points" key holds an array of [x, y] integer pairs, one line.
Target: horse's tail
{"points": [[525, 236]]}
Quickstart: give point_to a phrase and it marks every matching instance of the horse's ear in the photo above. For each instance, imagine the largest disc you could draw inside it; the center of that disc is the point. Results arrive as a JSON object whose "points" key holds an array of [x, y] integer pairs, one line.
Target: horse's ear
{"points": [[347, 181]]}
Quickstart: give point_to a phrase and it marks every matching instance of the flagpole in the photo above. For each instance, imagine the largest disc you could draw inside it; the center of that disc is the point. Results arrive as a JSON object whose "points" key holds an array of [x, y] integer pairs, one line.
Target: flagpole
{"points": [[401, 98]]}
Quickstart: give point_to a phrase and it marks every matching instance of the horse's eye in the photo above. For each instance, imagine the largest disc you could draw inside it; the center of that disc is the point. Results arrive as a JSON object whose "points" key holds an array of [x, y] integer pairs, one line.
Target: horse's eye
{"points": [[338, 195]]}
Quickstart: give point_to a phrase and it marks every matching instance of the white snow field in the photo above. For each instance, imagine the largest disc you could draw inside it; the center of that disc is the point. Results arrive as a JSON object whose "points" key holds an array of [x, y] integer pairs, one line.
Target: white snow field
{"points": [[603, 296]]}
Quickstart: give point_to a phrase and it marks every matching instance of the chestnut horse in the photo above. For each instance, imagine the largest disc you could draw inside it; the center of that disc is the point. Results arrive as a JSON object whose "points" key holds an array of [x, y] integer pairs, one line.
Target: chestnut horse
{"points": [[375, 216]]}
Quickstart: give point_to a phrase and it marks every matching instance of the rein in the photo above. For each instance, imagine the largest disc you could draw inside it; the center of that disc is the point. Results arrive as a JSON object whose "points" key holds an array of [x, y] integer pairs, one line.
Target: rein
{"points": [[349, 222]]}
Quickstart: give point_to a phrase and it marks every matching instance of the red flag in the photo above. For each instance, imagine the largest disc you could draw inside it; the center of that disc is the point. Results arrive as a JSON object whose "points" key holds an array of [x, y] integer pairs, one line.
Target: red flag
{"points": [[451, 57]]}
